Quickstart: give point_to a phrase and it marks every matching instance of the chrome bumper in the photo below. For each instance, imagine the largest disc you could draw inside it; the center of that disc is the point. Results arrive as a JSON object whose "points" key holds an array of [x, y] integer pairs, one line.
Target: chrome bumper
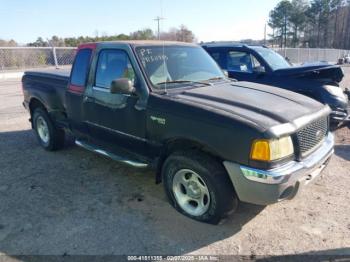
{"points": [[270, 186]]}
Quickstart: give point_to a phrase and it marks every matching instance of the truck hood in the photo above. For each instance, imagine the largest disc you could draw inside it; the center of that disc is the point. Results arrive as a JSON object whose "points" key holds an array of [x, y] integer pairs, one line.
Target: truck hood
{"points": [[262, 106], [323, 72]]}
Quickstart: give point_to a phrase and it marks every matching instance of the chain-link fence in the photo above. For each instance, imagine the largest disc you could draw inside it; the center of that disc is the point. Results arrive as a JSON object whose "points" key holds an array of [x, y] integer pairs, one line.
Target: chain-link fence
{"points": [[304, 55], [12, 58]]}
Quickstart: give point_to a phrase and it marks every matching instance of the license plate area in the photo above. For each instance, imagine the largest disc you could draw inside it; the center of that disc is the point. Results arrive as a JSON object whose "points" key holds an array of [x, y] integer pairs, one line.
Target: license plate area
{"points": [[315, 173]]}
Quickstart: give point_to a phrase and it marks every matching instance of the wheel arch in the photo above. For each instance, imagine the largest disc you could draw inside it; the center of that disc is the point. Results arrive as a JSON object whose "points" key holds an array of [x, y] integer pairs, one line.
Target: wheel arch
{"points": [[55, 115], [183, 144], [35, 103]]}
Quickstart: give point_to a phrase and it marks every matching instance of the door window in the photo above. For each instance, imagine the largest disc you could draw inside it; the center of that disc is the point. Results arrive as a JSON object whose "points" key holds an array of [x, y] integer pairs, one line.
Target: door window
{"points": [[111, 65], [239, 61], [216, 56]]}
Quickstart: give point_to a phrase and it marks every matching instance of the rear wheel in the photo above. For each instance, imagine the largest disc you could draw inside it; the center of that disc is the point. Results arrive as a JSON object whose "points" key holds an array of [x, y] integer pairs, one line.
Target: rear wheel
{"points": [[198, 186], [50, 137]]}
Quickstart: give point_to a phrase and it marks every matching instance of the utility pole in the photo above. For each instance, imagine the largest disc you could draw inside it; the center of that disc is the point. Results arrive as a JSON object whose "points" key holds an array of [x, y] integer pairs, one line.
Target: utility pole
{"points": [[158, 19], [265, 35]]}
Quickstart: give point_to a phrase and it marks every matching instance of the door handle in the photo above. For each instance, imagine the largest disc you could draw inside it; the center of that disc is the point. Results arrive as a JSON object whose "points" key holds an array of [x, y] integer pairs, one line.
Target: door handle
{"points": [[88, 99]]}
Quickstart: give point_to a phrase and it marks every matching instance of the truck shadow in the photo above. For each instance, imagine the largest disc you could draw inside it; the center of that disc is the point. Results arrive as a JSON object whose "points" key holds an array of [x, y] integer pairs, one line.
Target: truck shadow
{"points": [[76, 202], [343, 151]]}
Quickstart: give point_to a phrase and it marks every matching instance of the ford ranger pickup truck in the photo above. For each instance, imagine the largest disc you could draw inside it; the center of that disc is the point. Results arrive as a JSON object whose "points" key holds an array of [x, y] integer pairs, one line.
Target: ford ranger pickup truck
{"points": [[262, 65], [168, 106]]}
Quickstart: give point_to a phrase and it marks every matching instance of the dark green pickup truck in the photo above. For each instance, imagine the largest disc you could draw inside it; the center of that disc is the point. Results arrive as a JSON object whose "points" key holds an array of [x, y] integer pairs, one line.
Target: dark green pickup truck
{"points": [[168, 106]]}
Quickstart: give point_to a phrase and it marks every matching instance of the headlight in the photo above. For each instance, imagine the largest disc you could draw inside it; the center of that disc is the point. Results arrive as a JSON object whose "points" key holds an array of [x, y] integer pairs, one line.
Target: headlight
{"points": [[269, 150], [335, 90]]}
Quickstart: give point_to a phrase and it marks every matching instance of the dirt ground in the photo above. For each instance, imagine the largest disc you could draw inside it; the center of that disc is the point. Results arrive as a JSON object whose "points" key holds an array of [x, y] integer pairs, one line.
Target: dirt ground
{"points": [[76, 202]]}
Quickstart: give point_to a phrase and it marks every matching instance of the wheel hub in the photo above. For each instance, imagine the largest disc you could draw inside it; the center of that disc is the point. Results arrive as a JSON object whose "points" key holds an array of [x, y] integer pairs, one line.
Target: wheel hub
{"points": [[191, 192], [42, 129]]}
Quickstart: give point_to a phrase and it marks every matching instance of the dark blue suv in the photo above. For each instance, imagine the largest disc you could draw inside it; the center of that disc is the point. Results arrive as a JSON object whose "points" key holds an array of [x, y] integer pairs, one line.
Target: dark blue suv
{"points": [[262, 65]]}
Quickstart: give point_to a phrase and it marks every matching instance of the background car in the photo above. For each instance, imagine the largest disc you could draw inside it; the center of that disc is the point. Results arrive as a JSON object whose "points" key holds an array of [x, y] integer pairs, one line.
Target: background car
{"points": [[263, 65], [347, 59]]}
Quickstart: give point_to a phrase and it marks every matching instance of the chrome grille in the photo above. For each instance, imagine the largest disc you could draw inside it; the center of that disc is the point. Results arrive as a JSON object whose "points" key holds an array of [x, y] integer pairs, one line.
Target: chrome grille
{"points": [[311, 136]]}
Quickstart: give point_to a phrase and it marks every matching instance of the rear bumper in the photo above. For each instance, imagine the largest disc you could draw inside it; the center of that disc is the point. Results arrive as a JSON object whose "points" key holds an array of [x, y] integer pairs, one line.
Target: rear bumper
{"points": [[340, 108], [263, 187], [340, 115]]}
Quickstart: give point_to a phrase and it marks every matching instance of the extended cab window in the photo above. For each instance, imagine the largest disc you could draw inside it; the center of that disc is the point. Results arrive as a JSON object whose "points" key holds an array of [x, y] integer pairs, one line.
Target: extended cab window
{"points": [[111, 65], [81, 67]]}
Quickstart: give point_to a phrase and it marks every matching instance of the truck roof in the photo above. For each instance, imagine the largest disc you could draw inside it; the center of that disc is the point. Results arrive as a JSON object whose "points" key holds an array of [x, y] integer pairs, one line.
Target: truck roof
{"points": [[137, 43], [229, 44]]}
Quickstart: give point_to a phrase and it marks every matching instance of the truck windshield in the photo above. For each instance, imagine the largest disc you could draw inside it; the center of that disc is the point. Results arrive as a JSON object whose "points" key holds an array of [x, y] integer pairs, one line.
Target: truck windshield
{"points": [[175, 66], [273, 59]]}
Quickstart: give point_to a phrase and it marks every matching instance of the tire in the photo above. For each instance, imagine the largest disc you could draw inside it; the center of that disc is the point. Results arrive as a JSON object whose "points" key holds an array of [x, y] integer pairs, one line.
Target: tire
{"points": [[198, 186], [50, 137]]}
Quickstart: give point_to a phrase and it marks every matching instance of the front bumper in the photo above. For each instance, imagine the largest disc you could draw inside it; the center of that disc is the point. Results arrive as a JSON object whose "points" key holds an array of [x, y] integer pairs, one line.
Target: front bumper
{"points": [[263, 187]]}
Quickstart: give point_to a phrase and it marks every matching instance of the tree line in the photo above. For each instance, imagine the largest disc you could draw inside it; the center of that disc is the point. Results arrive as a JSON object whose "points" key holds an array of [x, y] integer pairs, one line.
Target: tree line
{"points": [[182, 33], [315, 23]]}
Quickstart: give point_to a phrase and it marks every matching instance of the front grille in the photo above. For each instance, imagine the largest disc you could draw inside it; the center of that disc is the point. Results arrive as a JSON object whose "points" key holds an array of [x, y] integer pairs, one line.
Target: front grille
{"points": [[311, 136]]}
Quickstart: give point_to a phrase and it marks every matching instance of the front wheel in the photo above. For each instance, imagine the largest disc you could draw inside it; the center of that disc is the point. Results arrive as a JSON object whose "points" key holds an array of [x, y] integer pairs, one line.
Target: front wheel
{"points": [[50, 137], [198, 186]]}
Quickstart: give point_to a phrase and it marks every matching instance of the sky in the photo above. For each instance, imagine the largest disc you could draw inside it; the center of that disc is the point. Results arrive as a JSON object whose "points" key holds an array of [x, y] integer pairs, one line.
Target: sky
{"points": [[210, 20]]}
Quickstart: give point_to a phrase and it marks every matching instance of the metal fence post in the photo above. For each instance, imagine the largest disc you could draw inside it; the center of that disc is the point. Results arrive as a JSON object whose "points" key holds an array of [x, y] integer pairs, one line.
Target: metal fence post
{"points": [[54, 57]]}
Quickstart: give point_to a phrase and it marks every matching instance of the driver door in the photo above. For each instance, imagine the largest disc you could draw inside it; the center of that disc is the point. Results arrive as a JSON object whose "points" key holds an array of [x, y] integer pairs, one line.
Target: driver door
{"points": [[113, 119]]}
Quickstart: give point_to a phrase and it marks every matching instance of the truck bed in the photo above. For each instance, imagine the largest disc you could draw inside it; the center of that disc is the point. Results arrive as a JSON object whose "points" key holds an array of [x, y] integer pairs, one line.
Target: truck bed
{"points": [[60, 74], [47, 85]]}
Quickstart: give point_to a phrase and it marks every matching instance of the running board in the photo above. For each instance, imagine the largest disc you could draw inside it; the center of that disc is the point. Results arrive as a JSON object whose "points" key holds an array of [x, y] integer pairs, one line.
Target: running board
{"points": [[113, 156]]}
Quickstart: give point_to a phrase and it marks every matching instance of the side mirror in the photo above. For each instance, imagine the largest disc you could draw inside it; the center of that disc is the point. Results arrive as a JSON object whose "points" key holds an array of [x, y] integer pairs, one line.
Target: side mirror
{"points": [[225, 72], [259, 70], [121, 86]]}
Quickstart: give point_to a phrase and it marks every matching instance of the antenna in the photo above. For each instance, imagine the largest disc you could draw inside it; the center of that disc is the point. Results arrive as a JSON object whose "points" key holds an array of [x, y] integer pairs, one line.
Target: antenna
{"points": [[158, 19]]}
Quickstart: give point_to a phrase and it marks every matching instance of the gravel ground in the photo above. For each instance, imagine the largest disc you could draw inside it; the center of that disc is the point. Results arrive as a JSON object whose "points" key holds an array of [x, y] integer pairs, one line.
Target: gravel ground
{"points": [[76, 202]]}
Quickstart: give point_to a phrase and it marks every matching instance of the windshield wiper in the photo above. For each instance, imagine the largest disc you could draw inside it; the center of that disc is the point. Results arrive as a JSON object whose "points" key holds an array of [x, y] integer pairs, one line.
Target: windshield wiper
{"points": [[222, 78], [216, 78], [183, 81]]}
